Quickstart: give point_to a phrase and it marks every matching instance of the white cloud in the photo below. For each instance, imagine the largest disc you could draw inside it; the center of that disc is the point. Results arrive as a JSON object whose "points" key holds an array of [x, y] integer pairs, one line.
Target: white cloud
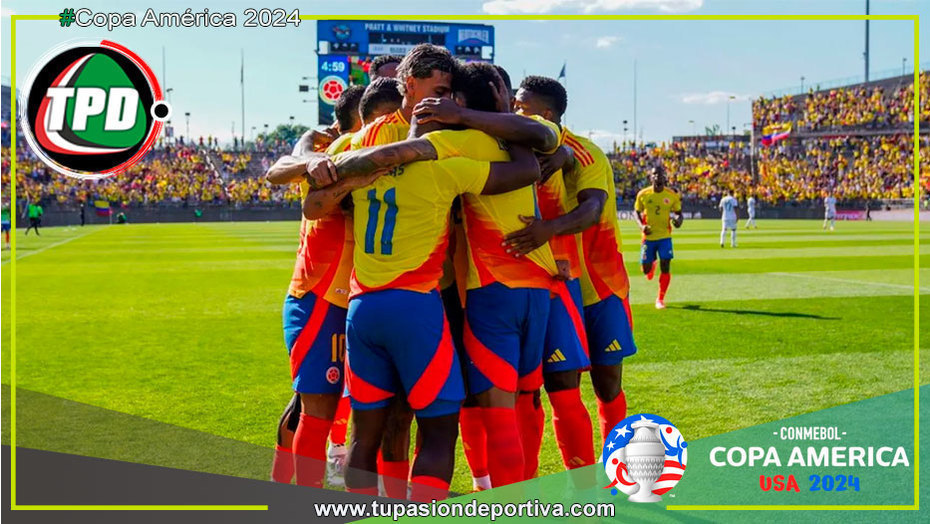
{"points": [[505, 7], [604, 139], [713, 98], [603, 42]]}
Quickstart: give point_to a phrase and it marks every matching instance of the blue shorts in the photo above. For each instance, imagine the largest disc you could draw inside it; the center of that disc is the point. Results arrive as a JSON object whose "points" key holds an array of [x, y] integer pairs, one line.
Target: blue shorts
{"points": [[610, 331], [399, 340], [4, 227], [566, 346], [314, 333], [652, 247], [504, 333]]}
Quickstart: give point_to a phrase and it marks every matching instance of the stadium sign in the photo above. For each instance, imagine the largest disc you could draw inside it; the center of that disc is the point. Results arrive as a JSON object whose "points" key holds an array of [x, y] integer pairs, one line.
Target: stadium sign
{"points": [[90, 110]]}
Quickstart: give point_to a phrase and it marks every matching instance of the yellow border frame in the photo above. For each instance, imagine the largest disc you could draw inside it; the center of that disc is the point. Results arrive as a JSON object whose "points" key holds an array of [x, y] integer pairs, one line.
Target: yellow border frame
{"points": [[851, 507]]}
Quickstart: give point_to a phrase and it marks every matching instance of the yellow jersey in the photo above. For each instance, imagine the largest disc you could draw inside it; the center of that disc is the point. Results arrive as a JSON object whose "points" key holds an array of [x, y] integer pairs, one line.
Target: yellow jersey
{"points": [[385, 129], [658, 208], [324, 255], [402, 223], [602, 270], [553, 203], [489, 218]]}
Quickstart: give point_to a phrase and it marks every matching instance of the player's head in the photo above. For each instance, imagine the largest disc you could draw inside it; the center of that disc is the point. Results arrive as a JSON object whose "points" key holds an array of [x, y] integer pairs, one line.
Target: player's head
{"points": [[657, 177], [426, 72], [542, 96], [347, 109], [381, 97], [384, 66], [506, 78], [472, 87]]}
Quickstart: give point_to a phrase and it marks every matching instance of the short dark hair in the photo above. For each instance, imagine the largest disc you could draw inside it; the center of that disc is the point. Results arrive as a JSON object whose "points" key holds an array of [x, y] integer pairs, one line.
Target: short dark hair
{"points": [[382, 90], [505, 77], [550, 90], [347, 107], [422, 60], [472, 81], [380, 61]]}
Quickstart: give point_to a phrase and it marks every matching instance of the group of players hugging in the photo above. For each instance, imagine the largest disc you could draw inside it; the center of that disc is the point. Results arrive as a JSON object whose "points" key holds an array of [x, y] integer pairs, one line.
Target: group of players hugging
{"points": [[459, 251]]}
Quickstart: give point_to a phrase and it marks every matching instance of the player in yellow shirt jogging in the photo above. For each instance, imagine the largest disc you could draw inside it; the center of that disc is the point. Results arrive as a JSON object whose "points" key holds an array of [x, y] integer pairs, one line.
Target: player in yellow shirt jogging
{"points": [[657, 209]]}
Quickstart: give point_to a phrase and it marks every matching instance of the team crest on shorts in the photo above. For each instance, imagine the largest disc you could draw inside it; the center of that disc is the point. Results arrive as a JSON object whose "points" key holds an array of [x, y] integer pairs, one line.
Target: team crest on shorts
{"points": [[644, 457], [333, 374]]}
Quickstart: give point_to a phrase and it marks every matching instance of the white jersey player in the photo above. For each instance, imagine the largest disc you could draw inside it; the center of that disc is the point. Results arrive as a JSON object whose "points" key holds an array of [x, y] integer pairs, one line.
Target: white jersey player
{"points": [[751, 211], [728, 205], [829, 211]]}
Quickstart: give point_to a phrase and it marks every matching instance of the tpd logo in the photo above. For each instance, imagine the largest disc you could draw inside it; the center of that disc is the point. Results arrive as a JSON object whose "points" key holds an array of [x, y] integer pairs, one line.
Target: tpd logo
{"points": [[644, 457], [92, 109]]}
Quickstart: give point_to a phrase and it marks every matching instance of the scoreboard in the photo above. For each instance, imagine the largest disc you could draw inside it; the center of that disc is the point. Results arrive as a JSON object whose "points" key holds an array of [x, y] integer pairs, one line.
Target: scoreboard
{"points": [[345, 50]]}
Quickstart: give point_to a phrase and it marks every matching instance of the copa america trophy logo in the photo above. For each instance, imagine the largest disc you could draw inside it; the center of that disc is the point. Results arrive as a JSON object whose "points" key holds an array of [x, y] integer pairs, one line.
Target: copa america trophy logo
{"points": [[645, 457]]}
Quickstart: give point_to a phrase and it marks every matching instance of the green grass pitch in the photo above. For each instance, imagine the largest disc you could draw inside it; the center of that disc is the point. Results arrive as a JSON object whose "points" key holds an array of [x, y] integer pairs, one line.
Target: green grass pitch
{"points": [[162, 344]]}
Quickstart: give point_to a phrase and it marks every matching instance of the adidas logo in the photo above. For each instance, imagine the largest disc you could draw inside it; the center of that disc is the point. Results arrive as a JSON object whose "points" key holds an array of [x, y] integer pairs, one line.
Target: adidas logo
{"points": [[614, 346], [556, 356]]}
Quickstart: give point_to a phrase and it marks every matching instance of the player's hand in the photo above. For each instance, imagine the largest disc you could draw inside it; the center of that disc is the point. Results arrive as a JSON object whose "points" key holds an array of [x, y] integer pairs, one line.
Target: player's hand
{"points": [[501, 97], [536, 233], [442, 110], [322, 139], [321, 172], [647, 230], [549, 164], [678, 220]]}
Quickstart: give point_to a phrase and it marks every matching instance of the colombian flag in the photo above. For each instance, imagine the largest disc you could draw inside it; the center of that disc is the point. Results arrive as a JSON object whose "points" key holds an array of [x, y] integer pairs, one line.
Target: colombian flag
{"points": [[102, 207], [775, 132]]}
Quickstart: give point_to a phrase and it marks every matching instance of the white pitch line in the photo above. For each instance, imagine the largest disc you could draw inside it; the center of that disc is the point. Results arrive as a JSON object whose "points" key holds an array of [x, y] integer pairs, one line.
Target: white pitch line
{"points": [[50, 246], [850, 281]]}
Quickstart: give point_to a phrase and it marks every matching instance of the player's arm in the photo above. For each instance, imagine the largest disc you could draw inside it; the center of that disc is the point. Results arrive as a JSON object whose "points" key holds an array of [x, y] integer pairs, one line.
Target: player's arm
{"points": [[538, 231], [563, 158], [522, 170], [510, 127], [306, 160], [639, 216], [320, 202], [678, 217], [363, 162]]}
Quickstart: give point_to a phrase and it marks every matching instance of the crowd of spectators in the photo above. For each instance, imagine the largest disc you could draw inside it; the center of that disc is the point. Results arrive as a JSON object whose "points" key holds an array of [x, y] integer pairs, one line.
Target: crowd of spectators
{"points": [[875, 106]]}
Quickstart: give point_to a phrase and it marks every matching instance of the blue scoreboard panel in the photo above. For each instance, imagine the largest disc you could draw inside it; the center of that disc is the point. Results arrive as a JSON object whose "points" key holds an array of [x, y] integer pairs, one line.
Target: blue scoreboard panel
{"points": [[345, 50]]}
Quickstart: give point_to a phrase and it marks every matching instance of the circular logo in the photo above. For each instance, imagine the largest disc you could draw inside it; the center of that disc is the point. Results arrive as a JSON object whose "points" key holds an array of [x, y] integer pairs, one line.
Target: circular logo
{"points": [[644, 457], [90, 110], [330, 88], [342, 32], [333, 374]]}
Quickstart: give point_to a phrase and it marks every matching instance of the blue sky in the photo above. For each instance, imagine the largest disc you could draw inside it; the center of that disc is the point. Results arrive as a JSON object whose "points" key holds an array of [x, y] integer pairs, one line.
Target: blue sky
{"points": [[686, 70]]}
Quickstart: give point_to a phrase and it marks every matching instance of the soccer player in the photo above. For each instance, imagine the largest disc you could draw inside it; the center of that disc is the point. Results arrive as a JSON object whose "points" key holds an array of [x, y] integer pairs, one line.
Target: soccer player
{"points": [[5, 224], [654, 209], [507, 299], [384, 66], [404, 221], [829, 210], [751, 210], [566, 347], [317, 299], [604, 282], [34, 212], [728, 218]]}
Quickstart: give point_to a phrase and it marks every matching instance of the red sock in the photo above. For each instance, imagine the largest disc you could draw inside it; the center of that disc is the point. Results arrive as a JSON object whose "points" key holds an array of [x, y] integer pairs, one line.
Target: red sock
{"points": [[426, 489], [373, 491], [505, 452], [337, 434], [310, 450], [664, 279], [610, 414], [573, 429], [474, 440], [282, 467], [531, 432], [394, 475]]}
